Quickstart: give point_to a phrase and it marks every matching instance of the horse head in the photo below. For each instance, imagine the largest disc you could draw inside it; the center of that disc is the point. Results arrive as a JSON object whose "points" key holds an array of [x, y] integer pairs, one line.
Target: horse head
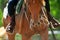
{"points": [[35, 7]]}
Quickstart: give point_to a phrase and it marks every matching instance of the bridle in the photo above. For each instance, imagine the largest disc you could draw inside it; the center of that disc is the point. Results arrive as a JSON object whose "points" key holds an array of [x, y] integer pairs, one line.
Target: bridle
{"points": [[43, 11]]}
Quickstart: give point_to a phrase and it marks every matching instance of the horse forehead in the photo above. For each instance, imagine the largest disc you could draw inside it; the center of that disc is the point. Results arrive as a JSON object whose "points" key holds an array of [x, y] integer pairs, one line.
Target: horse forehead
{"points": [[34, 1], [34, 6]]}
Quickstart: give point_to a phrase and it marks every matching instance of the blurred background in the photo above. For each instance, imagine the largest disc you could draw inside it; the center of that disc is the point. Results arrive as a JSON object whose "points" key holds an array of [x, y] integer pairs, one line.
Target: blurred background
{"points": [[55, 12]]}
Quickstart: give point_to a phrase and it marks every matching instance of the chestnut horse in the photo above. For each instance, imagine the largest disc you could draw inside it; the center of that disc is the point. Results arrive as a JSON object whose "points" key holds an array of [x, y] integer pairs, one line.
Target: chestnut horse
{"points": [[31, 21]]}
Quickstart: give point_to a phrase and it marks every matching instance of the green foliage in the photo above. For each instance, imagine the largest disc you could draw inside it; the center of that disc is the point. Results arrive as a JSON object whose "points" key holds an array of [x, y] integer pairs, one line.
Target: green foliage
{"points": [[18, 37], [0, 17], [55, 8], [56, 35], [2, 4]]}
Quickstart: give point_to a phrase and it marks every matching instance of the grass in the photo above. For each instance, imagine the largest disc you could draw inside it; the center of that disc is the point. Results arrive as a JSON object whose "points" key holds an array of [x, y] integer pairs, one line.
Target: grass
{"points": [[35, 37], [18, 37]]}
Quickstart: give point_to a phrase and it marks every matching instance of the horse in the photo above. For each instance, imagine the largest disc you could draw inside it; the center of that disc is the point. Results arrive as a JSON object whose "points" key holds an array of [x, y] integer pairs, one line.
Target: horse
{"points": [[31, 21]]}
